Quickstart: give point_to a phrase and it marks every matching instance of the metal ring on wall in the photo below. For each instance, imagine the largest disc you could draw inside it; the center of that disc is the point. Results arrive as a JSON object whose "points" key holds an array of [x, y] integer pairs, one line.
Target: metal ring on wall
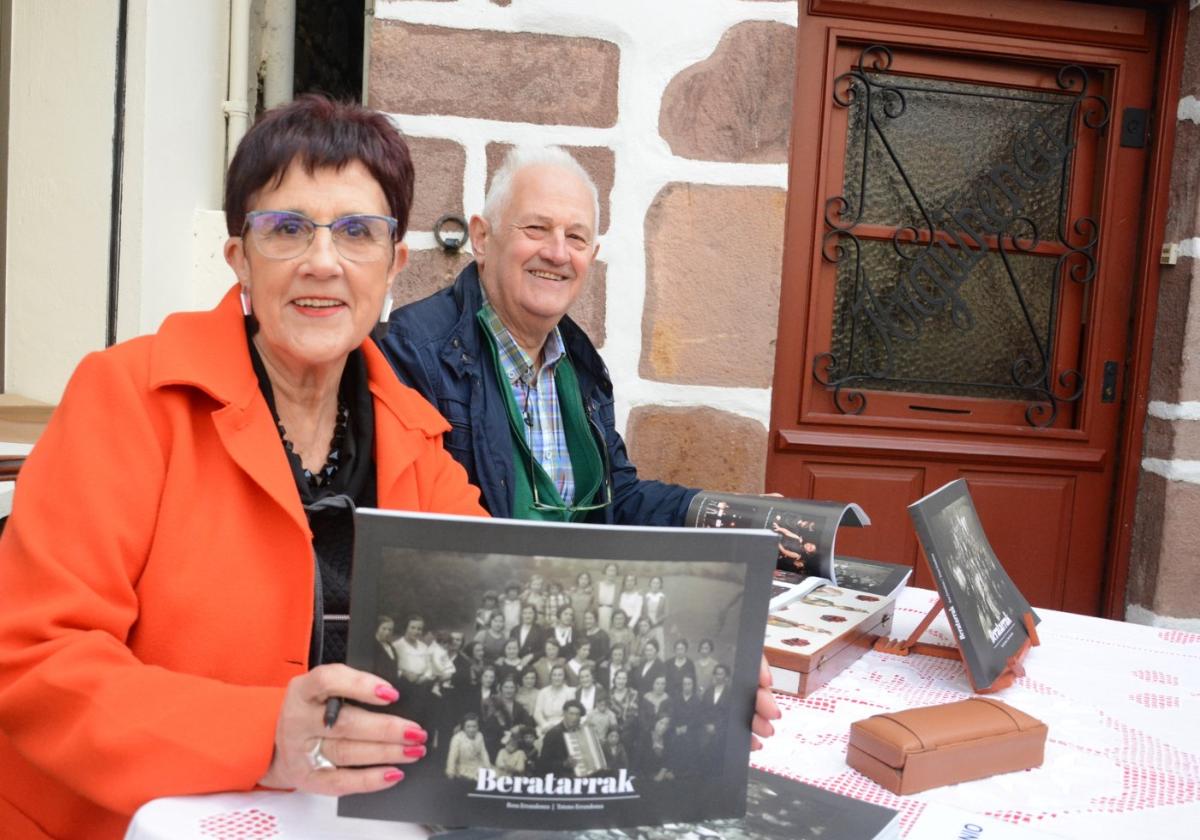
{"points": [[452, 240]]}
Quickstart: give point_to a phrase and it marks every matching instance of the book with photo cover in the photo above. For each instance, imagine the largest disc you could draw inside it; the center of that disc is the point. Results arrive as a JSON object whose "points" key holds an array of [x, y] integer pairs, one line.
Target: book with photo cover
{"points": [[985, 609], [541, 718], [874, 576], [806, 529], [777, 808]]}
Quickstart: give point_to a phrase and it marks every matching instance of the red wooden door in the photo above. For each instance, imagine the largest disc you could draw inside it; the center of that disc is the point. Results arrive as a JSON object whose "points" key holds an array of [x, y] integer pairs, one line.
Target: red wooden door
{"points": [[962, 238]]}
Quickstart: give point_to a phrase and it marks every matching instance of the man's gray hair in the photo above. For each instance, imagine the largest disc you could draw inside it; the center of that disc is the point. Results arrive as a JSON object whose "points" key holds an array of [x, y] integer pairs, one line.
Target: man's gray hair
{"points": [[523, 157]]}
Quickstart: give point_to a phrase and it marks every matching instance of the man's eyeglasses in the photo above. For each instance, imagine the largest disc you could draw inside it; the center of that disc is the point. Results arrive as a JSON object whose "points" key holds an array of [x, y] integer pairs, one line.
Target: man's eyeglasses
{"points": [[284, 235], [539, 505]]}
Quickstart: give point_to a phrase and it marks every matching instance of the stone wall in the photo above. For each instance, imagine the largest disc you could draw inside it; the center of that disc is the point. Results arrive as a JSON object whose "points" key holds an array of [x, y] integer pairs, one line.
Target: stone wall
{"points": [[680, 111], [1164, 572]]}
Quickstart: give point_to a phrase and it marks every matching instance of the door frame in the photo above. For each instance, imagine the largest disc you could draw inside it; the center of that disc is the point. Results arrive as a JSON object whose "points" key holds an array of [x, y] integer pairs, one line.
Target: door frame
{"points": [[1136, 396], [954, 15]]}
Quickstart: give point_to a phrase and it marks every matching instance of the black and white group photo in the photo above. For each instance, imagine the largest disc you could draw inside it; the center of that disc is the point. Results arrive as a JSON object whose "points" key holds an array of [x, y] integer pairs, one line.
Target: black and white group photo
{"points": [[535, 665]]}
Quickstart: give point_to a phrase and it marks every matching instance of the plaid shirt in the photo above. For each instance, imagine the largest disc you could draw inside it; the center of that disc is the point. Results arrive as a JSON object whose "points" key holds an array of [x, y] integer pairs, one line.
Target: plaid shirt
{"points": [[537, 397]]}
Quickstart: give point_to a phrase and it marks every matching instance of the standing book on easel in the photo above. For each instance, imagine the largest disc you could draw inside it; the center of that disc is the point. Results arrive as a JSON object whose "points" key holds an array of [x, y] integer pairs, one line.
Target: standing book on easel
{"points": [[807, 530], [992, 622]]}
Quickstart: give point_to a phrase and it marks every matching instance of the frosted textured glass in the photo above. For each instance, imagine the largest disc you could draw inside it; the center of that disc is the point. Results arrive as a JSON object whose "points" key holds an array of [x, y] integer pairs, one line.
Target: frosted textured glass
{"points": [[979, 160], [959, 358], [947, 143]]}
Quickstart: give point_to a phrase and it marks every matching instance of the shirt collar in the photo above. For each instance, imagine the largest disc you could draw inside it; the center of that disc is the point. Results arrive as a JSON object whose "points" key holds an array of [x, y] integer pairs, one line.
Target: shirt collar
{"points": [[517, 363]]}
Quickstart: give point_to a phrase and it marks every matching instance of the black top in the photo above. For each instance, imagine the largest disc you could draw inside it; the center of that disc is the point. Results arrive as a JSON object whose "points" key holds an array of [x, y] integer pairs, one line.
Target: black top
{"points": [[330, 507]]}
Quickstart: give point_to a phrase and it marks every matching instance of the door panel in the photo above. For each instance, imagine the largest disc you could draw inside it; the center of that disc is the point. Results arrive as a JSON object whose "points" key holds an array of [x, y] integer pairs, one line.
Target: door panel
{"points": [[961, 240], [882, 491], [1017, 531]]}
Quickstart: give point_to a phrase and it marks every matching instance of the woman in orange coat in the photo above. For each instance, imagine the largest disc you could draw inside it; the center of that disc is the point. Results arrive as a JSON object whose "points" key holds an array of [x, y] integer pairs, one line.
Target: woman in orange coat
{"points": [[175, 570]]}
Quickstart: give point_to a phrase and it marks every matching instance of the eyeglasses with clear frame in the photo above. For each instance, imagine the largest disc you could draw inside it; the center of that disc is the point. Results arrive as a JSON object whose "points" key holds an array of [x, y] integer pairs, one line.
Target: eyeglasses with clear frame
{"points": [[285, 234]]}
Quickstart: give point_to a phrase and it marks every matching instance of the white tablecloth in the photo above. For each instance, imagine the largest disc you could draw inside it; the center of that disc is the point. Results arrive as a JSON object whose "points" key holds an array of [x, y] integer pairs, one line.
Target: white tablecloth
{"points": [[1122, 702], [262, 814]]}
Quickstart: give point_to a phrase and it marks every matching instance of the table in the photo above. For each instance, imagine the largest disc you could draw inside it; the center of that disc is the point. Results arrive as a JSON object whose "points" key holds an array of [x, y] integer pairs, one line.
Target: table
{"points": [[1122, 759], [270, 815], [1122, 702]]}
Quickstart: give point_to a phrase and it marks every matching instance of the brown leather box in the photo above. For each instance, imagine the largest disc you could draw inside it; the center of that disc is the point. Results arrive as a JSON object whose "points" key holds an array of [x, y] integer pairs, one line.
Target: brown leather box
{"points": [[931, 746]]}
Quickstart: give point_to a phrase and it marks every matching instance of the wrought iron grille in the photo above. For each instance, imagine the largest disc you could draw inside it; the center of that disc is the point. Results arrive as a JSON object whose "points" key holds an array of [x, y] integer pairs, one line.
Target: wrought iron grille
{"points": [[963, 263]]}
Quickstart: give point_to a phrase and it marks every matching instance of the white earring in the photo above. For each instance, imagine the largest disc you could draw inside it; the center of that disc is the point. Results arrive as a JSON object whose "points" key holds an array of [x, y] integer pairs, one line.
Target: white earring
{"points": [[247, 306], [387, 307]]}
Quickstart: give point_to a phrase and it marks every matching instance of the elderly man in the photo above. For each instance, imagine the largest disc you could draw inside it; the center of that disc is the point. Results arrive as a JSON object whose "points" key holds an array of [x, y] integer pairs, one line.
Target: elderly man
{"points": [[528, 398], [527, 395]]}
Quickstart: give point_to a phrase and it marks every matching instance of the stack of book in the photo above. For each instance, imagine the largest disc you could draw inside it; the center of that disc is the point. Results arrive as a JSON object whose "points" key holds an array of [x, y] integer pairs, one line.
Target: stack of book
{"points": [[825, 610]]}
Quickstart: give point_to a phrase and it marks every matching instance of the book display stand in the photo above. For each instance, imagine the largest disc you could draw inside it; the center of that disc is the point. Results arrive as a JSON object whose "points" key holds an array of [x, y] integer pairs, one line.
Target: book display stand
{"points": [[1012, 670], [992, 623]]}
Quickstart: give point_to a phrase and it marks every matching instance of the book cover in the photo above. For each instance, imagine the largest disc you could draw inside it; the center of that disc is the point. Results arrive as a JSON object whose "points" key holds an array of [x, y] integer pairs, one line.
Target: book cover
{"points": [[777, 808], [560, 738], [874, 576], [983, 605], [806, 529]]}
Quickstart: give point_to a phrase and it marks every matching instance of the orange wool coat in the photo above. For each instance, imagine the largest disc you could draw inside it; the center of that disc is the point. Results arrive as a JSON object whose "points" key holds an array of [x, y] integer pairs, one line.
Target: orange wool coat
{"points": [[157, 576]]}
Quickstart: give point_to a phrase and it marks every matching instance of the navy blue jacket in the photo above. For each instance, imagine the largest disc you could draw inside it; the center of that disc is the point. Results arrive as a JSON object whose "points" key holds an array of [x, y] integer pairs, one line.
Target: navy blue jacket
{"points": [[438, 347]]}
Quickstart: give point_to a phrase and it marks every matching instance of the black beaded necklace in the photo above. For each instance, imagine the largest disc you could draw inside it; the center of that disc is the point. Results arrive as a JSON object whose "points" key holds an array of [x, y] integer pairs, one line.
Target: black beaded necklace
{"points": [[325, 474]]}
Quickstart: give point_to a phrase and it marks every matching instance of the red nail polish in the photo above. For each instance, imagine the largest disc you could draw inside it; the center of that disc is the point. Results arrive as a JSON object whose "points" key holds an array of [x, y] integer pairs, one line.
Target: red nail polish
{"points": [[386, 692], [417, 736], [414, 752], [393, 776]]}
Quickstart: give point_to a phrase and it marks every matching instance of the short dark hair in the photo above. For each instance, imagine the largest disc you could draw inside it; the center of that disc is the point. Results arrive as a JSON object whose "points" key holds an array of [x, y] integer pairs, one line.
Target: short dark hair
{"points": [[319, 132], [574, 704]]}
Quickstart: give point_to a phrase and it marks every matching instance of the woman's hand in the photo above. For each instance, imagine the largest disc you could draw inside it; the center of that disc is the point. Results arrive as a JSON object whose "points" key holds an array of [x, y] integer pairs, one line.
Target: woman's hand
{"points": [[765, 708], [358, 738]]}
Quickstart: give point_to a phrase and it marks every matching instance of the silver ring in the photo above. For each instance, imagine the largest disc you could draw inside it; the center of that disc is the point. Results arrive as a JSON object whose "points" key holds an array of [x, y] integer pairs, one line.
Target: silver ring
{"points": [[318, 760]]}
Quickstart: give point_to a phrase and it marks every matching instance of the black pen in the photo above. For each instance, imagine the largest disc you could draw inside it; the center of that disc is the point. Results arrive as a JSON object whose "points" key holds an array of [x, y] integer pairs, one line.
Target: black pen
{"points": [[333, 708]]}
